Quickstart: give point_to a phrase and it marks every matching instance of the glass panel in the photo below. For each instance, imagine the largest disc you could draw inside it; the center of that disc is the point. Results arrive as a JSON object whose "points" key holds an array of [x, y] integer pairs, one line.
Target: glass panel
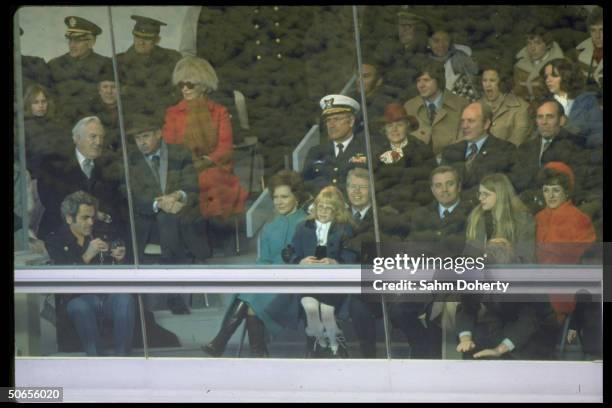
{"points": [[72, 138], [265, 325], [77, 325]]}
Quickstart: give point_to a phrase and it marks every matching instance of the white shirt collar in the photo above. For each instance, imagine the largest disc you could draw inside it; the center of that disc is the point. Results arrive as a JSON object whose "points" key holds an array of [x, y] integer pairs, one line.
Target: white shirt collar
{"points": [[322, 231], [81, 159], [362, 212], [450, 209], [344, 144]]}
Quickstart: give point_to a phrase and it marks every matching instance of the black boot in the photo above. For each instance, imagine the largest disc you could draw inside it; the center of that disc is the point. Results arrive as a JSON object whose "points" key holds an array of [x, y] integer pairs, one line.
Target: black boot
{"points": [[257, 338], [235, 315]]}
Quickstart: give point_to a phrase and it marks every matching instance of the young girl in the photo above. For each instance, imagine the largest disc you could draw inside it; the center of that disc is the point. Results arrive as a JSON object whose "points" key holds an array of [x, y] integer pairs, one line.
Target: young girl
{"points": [[500, 214], [319, 240]]}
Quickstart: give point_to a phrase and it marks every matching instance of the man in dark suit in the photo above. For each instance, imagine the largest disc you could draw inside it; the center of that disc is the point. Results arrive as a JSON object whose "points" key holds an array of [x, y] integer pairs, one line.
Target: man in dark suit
{"points": [[552, 143], [479, 153], [435, 230], [78, 242], [164, 188], [328, 163], [84, 168]]}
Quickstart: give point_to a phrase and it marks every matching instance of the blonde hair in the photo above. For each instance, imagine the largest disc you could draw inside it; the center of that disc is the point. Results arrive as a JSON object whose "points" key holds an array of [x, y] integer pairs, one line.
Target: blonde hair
{"points": [[332, 196], [507, 205], [197, 70]]}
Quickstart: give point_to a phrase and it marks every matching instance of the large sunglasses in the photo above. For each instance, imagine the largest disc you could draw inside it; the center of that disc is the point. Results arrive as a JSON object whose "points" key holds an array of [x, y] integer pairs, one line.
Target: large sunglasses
{"points": [[189, 85]]}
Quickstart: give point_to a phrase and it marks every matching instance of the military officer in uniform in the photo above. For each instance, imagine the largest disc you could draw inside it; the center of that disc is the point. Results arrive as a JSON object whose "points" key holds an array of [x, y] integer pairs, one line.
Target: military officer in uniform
{"points": [[145, 70], [76, 74], [330, 162]]}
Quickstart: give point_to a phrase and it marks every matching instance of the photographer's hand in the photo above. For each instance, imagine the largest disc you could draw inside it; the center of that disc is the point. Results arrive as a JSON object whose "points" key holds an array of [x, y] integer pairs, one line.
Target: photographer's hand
{"points": [[95, 247], [328, 261]]}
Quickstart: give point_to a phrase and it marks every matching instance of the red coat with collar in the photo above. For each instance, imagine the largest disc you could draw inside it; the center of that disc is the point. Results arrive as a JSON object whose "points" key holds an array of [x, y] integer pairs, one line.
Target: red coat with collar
{"points": [[220, 190], [563, 235]]}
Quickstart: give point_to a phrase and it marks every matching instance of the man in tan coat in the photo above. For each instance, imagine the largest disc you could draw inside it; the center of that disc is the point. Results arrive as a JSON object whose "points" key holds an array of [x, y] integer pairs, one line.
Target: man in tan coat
{"points": [[437, 110]]}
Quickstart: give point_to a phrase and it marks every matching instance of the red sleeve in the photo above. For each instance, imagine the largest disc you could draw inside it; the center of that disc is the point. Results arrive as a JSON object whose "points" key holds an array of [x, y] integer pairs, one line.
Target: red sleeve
{"points": [[225, 141], [170, 131]]}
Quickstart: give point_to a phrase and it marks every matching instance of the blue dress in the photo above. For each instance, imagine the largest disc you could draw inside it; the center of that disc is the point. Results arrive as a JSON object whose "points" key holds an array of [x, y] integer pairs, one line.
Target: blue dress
{"points": [[275, 236]]}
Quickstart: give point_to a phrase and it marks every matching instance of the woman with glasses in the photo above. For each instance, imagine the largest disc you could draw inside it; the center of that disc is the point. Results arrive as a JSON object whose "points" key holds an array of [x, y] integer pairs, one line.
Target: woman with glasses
{"points": [[500, 214], [320, 240], [204, 127]]}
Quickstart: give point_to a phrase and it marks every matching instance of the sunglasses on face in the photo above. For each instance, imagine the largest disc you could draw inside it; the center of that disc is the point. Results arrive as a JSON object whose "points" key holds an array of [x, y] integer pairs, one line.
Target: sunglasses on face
{"points": [[189, 85]]}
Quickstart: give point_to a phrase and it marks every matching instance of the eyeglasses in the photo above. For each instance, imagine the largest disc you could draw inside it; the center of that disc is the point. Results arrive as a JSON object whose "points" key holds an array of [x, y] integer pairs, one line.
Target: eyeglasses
{"points": [[357, 186], [189, 85], [325, 208]]}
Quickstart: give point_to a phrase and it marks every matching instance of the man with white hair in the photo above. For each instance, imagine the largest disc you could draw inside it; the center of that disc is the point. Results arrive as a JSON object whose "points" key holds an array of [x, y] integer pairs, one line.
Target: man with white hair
{"points": [[81, 168], [328, 163]]}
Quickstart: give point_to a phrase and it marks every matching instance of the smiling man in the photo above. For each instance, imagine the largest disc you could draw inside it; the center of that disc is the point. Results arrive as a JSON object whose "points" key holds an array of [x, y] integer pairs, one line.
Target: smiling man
{"points": [[479, 153], [76, 74], [145, 69], [84, 166]]}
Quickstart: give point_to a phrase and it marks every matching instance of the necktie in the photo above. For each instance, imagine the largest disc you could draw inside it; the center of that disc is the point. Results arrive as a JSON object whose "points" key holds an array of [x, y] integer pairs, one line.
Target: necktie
{"points": [[445, 214], [340, 149], [155, 163], [88, 165], [432, 112], [357, 216], [545, 143], [469, 160]]}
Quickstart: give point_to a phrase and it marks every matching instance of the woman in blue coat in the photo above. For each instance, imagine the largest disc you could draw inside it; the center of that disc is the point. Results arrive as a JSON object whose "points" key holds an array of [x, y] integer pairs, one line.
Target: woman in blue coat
{"points": [[287, 193]]}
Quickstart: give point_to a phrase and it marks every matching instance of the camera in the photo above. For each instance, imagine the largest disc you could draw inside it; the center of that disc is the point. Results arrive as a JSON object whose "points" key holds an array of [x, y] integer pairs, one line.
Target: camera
{"points": [[320, 252], [116, 243]]}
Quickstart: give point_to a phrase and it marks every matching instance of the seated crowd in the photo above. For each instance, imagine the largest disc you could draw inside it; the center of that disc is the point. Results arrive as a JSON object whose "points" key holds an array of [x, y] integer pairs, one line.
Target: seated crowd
{"points": [[473, 158]]}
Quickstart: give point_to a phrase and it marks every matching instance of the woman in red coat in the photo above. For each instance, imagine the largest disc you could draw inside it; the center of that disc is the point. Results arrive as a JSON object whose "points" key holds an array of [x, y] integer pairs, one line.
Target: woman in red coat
{"points": [[204, 127], [563, 232]]}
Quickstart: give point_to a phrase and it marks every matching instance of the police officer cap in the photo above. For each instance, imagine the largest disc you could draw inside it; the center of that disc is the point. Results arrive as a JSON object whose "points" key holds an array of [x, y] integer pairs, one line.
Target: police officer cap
{"points": [[332, 104], [79, 27], [140, 122], [146, 27]]}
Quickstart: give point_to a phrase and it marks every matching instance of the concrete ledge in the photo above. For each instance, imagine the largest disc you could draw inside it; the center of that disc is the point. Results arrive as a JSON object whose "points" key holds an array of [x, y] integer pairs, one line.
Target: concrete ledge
{"points": [[208, 380]]}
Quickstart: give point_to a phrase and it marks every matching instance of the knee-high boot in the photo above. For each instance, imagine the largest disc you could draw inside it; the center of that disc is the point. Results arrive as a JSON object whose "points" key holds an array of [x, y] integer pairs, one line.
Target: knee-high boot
{"points": [[235, 315], [257, 338]]}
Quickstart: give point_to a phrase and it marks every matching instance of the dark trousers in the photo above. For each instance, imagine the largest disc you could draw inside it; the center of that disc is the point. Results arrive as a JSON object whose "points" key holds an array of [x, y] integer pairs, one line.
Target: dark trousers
{"points": [[425, 342], [88, 313], [364, 311]]}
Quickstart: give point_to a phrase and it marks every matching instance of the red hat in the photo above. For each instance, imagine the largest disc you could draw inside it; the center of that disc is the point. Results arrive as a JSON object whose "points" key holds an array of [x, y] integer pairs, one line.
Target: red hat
{"points": [[563, 168], [395, 112]]}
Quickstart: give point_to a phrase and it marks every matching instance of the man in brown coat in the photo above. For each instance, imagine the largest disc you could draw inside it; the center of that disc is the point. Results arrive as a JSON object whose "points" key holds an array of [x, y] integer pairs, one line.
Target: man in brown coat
{"points": [[437, 110]]}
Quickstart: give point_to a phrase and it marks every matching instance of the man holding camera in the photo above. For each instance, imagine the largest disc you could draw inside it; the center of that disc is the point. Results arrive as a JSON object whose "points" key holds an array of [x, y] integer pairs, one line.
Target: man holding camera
{"points": [[78, 242]]}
